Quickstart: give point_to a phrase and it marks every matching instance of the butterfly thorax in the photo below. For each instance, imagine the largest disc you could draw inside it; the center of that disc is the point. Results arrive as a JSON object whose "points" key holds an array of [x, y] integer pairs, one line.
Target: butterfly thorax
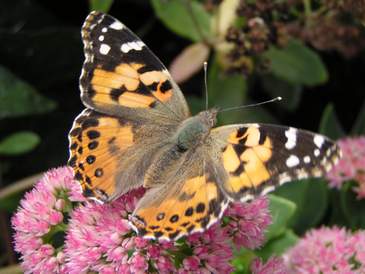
{"points": [[194, 130]]}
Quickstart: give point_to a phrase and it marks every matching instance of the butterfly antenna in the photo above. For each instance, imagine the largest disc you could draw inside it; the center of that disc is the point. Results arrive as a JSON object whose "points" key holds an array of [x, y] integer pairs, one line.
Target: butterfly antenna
{"points": [[206, 84], [252, 105]]}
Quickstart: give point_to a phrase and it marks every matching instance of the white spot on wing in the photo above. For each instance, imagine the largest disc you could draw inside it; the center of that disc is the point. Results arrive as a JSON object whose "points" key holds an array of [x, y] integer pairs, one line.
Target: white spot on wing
{"points": [[101, 38], [301, 174], [116, 25], [267, 189], [318, 140], [307, 159], [246, 198], [316, 152], [104, 49], [104, 29], [284, 178], [135, 45], [292, 161], [291, 135]]}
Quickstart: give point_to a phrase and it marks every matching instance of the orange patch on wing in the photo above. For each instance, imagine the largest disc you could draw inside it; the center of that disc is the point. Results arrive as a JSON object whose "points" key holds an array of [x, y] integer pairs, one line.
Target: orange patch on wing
{"points": [[95, 156], [121, 77], [231, 160], [159, 77], [131, 99], [253, 158], [254, 167], [151, 77], [180, 214], [252, 133]]}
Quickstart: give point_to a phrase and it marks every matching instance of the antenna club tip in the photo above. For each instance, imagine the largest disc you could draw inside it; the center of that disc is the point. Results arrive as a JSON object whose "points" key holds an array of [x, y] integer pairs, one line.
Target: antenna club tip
{"points": [[280, 98]]}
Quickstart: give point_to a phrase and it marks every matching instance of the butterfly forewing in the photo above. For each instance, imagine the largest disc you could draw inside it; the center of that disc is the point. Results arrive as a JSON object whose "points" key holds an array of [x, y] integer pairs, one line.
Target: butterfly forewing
{"points": [[122, 77], [258, 157]]}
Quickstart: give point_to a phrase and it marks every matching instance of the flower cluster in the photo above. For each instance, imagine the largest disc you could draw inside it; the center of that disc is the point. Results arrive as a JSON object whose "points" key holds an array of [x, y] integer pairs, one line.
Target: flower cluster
{"points": [[274, 265], [328, 250], [40, 221], [54, 236], [328, 25], [351, 166]]}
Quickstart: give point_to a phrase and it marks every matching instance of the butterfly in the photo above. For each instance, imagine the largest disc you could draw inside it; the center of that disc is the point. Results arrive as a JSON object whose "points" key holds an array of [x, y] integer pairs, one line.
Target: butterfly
{"points": [[137, 131]]}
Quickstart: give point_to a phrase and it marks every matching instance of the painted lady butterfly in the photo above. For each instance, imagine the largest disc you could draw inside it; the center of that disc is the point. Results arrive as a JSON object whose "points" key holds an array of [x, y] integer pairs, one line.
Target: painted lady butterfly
{"points": [[137, 131]]}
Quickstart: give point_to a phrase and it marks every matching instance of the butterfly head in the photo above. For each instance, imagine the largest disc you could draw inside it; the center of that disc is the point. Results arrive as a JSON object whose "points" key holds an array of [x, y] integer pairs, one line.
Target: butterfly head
{"points": [[208, 117]]}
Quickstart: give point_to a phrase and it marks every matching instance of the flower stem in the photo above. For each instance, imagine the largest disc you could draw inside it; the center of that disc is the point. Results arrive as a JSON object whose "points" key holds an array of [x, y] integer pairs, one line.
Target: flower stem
{"points": [[307, 8]]}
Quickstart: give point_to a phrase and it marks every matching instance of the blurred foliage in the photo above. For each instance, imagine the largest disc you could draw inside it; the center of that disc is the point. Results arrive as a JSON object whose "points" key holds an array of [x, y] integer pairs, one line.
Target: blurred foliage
{"points": [[18, 143], [257, 50], [297, 64], [100, 5]]}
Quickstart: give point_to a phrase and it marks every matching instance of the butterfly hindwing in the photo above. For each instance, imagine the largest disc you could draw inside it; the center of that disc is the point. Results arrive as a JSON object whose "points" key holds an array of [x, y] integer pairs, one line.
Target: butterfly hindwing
{"points": [[195, 207], [258, 157], [122, 77]]}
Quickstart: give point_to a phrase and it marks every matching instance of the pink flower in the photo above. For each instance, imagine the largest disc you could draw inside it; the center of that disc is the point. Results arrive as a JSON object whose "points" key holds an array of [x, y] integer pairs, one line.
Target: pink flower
{"points": [[99, 238], [211, 252], [274, 265], [351, 166], [328, 250], [40, 218], [248, 222]]}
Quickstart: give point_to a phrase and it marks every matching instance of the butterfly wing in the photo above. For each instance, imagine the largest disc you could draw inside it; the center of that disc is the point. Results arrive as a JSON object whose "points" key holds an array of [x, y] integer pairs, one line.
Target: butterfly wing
{"points": [[102, 148], [122, 77], [135, 104], [255, 158], [181, 207]]}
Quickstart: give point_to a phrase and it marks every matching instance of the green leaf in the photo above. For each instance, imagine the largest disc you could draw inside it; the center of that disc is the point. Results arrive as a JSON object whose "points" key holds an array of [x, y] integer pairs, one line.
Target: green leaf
{"points": [[359, 125], [242, 261], [352, 207], [226, 90], [187, 18], [19, 143], [278, 246], [281, 210], [336, 214], [311, 199], [100, 5], [297, 64], [329, 125], [10, 203], [290, 93], [18, 98]]}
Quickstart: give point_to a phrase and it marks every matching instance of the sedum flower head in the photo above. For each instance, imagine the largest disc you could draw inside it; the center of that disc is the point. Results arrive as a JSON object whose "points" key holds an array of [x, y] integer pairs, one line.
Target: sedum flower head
{"points": [[328, 250], [275, 265], [351, 166], [41, 220], [248, 222]]}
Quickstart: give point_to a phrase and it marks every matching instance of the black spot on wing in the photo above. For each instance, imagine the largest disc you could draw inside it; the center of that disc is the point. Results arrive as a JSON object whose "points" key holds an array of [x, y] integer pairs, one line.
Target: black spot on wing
{"points": [[241, 131], [91, 122], [174, 234], [238, 170], [115, 93], [165, 86]]}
